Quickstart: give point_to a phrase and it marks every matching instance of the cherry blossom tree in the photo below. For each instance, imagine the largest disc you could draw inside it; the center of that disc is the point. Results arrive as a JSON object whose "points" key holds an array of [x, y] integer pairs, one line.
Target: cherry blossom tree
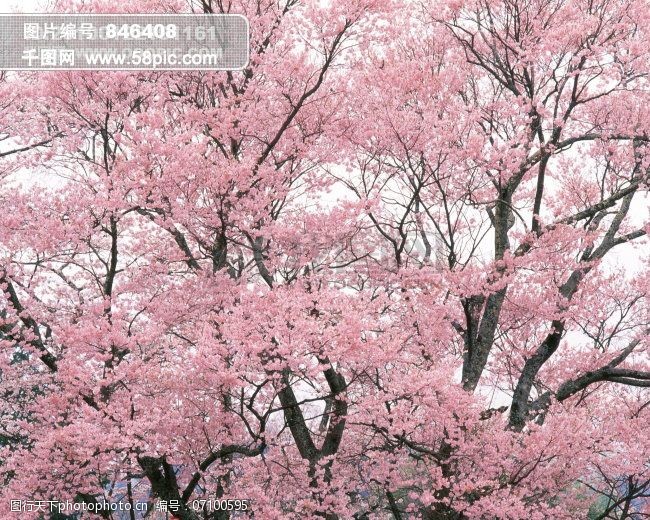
{"points": [[395, 268]]}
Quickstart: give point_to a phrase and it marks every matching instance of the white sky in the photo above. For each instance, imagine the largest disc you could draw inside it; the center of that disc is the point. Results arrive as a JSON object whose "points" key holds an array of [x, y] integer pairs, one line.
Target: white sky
{"points": [[25, 6]]}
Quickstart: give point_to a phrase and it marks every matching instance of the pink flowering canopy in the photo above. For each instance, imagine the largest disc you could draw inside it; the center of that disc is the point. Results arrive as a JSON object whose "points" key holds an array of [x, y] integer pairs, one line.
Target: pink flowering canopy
{"points": [[396, 268]]}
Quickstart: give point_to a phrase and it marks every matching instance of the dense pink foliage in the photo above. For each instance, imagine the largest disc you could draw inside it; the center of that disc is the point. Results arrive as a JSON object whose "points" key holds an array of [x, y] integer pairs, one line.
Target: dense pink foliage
{"points": [[397, 268]]}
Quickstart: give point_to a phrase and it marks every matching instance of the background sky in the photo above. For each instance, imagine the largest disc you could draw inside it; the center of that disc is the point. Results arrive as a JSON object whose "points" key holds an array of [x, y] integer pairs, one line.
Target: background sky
{"points": [[25, 6]]}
